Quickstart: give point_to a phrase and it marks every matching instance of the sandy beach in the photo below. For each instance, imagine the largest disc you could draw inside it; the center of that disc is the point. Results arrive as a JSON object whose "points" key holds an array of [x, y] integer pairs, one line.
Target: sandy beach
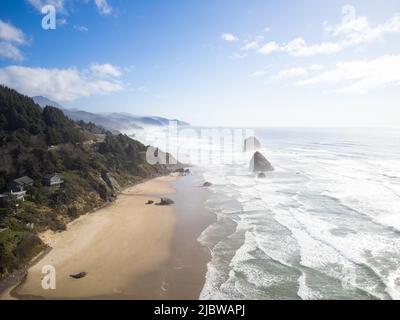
{"points": [[129, 250]]}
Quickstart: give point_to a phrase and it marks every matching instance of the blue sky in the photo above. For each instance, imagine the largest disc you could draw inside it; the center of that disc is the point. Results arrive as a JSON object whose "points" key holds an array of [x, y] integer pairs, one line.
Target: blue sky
{"points": [[225, 62]]}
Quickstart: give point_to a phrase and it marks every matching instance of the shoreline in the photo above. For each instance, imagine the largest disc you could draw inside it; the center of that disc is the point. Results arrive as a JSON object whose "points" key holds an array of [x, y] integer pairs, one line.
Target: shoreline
{"points": [[128, 249], [183, 276]]}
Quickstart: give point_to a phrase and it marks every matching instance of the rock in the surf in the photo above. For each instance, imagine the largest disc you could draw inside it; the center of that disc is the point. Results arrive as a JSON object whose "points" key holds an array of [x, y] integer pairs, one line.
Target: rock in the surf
{"points": [[260, 164]]}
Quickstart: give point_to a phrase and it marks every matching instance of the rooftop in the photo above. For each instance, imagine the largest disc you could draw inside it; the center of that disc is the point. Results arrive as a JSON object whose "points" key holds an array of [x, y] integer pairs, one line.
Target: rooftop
{"points": [[23, 180]]}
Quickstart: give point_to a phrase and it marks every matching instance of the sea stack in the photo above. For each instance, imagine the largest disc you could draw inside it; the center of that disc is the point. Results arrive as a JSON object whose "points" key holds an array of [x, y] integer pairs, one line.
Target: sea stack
{"points": [[260, 164], [251, 144]]}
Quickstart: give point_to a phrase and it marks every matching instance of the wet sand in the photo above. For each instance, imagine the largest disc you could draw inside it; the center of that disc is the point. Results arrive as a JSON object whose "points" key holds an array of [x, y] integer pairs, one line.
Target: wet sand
{"points": [[182, 277], [130, 250]]}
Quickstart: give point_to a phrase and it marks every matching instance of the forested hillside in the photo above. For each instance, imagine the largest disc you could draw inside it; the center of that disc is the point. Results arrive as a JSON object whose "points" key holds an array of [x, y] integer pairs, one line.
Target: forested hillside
{"points": [[92, 163]]}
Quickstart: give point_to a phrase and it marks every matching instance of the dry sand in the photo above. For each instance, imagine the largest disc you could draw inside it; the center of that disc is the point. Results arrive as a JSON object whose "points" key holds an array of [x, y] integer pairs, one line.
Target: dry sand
{"points": [[113, 246], [129, 250]]}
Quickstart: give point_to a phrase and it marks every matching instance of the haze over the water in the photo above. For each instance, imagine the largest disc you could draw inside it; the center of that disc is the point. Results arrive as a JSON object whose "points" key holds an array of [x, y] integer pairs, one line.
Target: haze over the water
{"points": [[240, 63]]}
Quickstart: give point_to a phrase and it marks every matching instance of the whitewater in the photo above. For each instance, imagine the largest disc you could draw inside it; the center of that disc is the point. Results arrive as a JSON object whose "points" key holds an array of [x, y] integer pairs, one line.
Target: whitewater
{"points": [[324, 225]]}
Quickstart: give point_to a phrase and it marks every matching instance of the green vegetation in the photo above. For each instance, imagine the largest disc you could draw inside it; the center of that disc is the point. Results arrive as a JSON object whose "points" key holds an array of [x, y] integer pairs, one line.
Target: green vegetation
{"points": [[17, 247], [36, 141]]}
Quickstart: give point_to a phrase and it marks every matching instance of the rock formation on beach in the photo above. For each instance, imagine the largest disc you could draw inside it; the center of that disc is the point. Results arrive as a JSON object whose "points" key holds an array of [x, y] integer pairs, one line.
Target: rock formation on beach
{"points": [[251, 144], [182, 171], [260, 164], [165, 202], [78, 275]]}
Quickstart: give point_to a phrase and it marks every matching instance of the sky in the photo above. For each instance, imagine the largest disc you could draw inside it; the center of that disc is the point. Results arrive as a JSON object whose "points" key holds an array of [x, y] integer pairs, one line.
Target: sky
{"points": [[211, 62]]}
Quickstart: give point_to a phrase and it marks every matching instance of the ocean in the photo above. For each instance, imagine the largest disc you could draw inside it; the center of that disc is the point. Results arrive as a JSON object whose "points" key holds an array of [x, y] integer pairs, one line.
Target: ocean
{"points": [[324, 225]]}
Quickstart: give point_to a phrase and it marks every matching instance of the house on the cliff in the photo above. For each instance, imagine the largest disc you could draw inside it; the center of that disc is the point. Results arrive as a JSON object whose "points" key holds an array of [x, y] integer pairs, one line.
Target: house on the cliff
{"points": [[52, 180], [20, 184]]}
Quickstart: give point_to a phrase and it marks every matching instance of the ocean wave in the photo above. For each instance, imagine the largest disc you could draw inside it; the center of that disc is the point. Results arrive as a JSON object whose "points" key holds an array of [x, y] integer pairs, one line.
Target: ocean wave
{"points": [[325, 225]]}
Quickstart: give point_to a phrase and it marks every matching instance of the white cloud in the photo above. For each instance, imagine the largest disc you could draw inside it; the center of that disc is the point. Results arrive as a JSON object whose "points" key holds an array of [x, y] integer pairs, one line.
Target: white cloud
{"points": [[81, 28], [10, 51], [106, 70], [259, 73], [62, 22], [360, 76], [249, 45], [237, 56], [269, 48], [10, 33], [10, 38], [291, 73], [103, 7], [229, 37], [57, 84], [39, 4], [353, 30], [316, 67], [297, 72], [300, 48]]}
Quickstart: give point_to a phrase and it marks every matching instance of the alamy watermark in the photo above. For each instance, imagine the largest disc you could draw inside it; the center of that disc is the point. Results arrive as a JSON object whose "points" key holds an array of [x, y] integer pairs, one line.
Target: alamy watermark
{"points": [[49, 278], [49, 21], [199, 146]]}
